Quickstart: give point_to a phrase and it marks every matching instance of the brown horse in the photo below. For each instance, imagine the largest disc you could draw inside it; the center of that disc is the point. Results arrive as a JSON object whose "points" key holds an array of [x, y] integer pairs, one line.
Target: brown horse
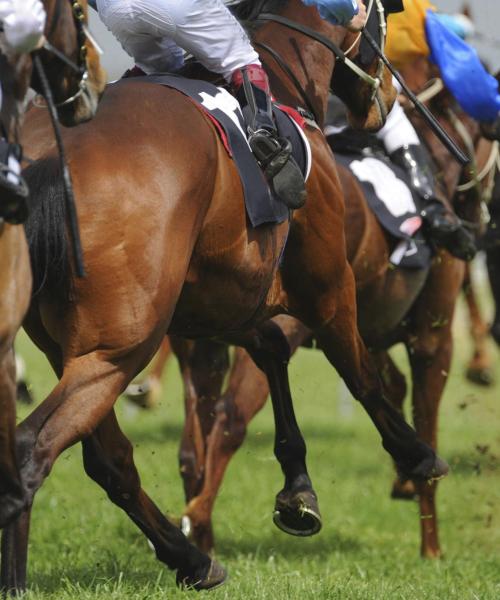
{"points": [[168, 248], [395, 305], [15, 273]]}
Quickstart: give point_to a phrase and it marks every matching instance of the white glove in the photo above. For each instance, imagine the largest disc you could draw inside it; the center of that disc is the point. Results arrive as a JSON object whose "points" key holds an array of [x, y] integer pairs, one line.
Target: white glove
{"points": [[23, 24]]}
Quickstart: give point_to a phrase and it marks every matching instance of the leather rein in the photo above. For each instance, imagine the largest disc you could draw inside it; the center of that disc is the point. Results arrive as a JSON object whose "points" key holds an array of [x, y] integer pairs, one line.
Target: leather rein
{"points": [[256, 16]]}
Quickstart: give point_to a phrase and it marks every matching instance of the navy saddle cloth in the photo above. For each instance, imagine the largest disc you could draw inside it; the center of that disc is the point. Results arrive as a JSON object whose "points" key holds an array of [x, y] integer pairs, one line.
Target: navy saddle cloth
{"points": [[388, 194], [261, 204]]}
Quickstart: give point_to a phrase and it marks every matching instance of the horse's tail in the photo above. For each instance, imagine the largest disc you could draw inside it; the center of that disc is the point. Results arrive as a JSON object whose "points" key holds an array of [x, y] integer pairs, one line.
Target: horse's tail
{"points": [[46, 229]]}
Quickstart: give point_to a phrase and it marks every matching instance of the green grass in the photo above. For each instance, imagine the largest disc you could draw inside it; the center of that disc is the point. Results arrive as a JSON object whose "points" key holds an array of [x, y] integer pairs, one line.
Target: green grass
{"points": [[83, 547]]}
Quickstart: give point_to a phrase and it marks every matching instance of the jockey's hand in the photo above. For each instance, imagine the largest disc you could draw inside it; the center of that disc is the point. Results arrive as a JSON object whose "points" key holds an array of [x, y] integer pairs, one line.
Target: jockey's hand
{"points": [[23, 24], [358, 22], [337, 12]]}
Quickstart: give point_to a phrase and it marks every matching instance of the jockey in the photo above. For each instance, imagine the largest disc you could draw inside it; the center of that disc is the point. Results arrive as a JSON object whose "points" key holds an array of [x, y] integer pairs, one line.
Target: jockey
{"points": [[420, 32], [155, 33], [23, 23]]}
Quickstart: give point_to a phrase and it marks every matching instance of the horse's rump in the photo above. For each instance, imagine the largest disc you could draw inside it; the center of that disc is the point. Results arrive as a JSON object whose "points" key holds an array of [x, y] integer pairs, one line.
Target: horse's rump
{"points": [[158, 200]]}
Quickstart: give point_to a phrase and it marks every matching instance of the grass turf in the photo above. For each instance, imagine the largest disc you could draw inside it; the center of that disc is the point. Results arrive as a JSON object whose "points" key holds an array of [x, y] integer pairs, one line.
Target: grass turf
{"points": [[83, 547]]}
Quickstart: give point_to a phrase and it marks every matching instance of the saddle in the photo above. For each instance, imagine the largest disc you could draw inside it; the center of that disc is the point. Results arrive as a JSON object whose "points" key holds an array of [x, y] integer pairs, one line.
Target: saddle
{"points": [[223, 110], [388, 194]]}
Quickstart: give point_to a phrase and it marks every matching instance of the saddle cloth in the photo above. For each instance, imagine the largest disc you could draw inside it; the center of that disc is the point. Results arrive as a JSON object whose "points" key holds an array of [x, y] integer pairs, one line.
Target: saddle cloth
{"points": [[224, 112], [388, 194]]}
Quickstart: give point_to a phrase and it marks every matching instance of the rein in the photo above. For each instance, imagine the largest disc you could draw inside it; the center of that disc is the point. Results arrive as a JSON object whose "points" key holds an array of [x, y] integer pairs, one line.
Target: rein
{"points": [[256, 15], [81, 68], [339, 54]]}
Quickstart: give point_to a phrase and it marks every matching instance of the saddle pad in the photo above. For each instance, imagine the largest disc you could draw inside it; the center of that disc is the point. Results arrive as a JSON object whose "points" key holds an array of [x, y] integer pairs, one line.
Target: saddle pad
{"points": [[389, 196], [224, 111]]}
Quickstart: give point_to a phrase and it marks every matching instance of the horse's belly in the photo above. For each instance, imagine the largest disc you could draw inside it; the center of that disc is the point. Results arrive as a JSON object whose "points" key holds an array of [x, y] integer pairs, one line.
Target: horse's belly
{"points": [[383, 305], [226, 292]]}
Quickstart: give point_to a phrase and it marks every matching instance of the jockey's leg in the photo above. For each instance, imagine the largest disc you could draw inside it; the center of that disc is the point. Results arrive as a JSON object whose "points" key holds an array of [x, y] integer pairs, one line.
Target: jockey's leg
{"points": [[207, 30], [403, 146]]}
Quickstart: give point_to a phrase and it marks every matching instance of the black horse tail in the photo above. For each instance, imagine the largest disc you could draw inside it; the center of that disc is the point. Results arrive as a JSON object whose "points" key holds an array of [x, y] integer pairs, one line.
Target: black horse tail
{"points": [[46, 230]]}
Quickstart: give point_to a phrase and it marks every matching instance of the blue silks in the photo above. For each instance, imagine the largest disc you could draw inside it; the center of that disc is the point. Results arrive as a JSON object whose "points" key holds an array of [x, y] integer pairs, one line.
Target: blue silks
{"points": [[338, 12], [462, 72]]}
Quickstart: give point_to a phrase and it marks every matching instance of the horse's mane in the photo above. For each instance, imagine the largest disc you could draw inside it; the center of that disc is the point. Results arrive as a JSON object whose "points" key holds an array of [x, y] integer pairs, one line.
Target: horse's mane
{"points": [[46, 229]]}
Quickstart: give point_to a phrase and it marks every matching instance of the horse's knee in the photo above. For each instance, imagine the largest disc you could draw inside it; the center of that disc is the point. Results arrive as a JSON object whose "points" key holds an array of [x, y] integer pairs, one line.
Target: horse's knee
{"points": [[425, 348]]}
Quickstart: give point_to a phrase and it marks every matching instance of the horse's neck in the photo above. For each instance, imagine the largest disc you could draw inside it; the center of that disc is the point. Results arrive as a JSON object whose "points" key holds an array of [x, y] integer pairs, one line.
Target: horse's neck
{"points": [[311, 63]]}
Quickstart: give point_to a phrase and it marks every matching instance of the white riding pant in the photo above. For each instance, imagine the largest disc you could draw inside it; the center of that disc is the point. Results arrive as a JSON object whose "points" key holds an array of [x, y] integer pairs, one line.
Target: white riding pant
{"points": [[154, 32], [397, 131]]}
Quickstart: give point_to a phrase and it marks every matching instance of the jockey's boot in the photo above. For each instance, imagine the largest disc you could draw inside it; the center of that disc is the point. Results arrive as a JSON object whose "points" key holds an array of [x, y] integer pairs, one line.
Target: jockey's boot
{"points": [[274, 154], [13, 189], [443, 226]]}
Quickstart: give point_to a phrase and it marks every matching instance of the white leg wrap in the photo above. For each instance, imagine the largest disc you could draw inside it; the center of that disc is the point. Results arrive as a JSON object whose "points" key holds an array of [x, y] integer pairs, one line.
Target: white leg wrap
{"points": [[154, 31]]}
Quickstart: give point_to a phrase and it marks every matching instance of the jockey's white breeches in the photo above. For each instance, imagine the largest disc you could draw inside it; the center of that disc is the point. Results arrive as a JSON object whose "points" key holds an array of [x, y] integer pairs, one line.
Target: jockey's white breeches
{"points": [[397, 131], [154, 32]]}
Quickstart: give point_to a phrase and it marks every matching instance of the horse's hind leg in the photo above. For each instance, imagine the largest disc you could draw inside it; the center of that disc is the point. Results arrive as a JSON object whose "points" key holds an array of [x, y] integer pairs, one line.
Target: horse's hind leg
{"points": [[479, 367], [83, 397], [108, 460]]}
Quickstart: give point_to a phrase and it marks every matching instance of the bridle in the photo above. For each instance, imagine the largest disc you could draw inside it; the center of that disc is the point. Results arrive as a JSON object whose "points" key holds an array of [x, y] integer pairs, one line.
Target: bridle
{"points": [[82, 36], [80, 67], [375, 82], [476, 177]]}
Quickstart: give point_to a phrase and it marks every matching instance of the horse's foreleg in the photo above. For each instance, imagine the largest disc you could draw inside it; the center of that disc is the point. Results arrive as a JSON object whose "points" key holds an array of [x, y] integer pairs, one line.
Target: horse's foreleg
{"points": [[147, 393], [108, 460], [479, 367], [10, 478], [340, 340], [430, 358], [203, 365], [245, 395], [394, 384], [296, 510], [429, 348]]}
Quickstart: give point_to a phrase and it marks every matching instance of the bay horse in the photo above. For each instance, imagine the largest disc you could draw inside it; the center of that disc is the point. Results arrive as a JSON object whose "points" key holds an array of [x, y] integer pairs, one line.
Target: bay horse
{"points": [[15, 272], [168, 249], [395, 305]]}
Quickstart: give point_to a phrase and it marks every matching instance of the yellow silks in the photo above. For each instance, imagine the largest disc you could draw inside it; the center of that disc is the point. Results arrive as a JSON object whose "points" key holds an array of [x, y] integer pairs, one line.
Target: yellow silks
{"points": [[406, 38]]}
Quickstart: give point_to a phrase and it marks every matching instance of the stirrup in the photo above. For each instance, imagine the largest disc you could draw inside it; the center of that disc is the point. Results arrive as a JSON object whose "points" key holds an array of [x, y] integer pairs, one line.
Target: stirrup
{"points": [[271, 152], [274, 155]]}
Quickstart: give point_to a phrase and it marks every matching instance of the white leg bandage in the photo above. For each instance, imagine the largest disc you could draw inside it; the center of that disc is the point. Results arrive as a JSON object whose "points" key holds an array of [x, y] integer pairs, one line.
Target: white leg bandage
{"points": [[154, 31]]}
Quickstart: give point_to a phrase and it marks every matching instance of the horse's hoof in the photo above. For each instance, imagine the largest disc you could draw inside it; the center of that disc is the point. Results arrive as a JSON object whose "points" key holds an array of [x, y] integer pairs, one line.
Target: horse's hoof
{"points": [[297, 513], [480, 376], [403, 490], [431, 468], [215, 577]]}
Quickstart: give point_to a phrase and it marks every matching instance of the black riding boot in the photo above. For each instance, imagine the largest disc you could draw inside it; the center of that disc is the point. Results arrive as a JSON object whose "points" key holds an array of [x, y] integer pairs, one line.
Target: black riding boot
{"points": [[443, 226], [13, 190], [274, 154]]}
